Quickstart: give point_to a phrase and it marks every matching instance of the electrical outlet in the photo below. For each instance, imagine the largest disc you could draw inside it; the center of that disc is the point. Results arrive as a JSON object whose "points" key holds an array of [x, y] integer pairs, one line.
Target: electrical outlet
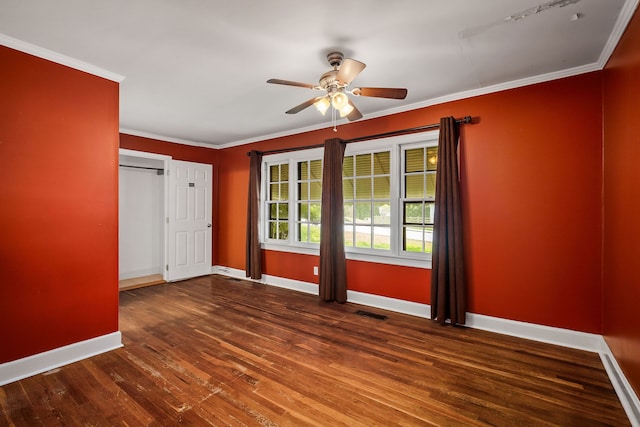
{"points": [[315, 270]]}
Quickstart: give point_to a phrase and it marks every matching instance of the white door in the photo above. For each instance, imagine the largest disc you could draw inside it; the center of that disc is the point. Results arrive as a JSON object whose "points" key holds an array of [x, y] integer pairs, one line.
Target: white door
{"points": [[189, 220]]}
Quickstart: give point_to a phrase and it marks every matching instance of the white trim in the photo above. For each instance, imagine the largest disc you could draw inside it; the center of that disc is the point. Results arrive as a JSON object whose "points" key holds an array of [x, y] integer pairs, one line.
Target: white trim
{"points": [[168, 139], [143, 154], [531, 331], [352, 256], [626, 394], [514, 84], [401, 260], [43, 362], [323, 125], [391, 304], [628, 9], [58, 58], [300, 248], [439, 100], [395, 145], [624, 17], [296, 285], [166, 159], [623, 20], [547, 334]]}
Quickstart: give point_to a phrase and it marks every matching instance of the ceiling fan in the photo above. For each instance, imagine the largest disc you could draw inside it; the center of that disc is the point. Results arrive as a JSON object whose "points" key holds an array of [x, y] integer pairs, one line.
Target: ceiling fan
{"points": [[335, 85]]}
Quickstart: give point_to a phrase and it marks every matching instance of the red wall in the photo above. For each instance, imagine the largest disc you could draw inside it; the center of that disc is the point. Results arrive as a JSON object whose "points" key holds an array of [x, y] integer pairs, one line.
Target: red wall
{"points": [[539, 248], [187, 153], [59, 195], [622, 203], [531, 172]]}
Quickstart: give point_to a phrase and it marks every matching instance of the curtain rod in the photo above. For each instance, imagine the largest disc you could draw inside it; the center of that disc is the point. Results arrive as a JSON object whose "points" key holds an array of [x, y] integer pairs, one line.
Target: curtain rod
{"points": [[462, 121]]}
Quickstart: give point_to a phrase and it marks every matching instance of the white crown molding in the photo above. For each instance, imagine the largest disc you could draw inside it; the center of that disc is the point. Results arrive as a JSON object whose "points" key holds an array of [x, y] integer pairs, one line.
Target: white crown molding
{"points": [[324, 125], [625, 16], [167, 138], [569, 72], [58, 58], [628, 9], [143, 154], [547, 334], [52, 359], [514, 84]]}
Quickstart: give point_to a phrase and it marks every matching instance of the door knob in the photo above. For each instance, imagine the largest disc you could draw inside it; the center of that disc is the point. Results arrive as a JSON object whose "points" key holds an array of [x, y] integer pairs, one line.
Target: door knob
{"points": [[208, 225]]}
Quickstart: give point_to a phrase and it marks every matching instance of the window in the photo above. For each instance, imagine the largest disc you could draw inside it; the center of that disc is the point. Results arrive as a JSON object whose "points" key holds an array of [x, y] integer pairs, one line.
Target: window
{"points": [[309, 181], [366, 181], [278, 202], [418, 197], [389, 200]]}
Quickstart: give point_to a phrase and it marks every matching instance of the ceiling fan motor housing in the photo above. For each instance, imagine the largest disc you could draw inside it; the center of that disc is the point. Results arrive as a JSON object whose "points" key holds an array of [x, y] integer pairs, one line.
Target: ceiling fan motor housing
{"points": [[328, 81], [335, 58]]}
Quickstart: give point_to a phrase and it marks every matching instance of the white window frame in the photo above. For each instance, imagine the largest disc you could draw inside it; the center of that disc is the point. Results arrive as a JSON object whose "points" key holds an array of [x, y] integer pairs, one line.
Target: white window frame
{"points": [[264, 205], [292, 242], [369, 148], [395, 255], [403, 148]]}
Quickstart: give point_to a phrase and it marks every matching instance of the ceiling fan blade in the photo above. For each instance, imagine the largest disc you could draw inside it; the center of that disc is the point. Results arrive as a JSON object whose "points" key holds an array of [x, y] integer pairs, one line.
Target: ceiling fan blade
{"points": [[349, 70], [381, 92], [302, 106], [290, 83], [355, 114]]}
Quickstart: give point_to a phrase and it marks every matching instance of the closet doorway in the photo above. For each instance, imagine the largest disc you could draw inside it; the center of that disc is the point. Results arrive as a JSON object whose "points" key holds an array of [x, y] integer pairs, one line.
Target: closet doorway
{"points": [[165, 223], [141, 219]]}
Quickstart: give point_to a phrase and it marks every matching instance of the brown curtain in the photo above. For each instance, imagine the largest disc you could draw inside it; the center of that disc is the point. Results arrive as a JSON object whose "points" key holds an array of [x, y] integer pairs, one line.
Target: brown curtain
{"points": [[253, 262], [333, 266], [448, 290]]}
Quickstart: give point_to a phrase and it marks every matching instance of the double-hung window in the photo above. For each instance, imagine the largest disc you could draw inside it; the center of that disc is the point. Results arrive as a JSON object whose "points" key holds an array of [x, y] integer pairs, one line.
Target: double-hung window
{"points": [[309, 190], [366, 183], [418, 197], [389, 200], [277, 202]]}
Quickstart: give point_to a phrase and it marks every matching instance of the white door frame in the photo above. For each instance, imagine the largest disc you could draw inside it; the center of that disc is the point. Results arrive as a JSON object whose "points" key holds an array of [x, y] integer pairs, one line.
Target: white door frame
{"points": [[165, 162]]}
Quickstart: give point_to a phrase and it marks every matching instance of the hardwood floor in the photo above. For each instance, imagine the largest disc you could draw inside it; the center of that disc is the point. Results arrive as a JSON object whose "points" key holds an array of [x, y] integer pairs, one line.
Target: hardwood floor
{"points": [[220, 351]]}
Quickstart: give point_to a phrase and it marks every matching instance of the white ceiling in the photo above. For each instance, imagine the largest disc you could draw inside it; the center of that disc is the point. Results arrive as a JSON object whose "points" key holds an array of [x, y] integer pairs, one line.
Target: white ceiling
{"points": [[195, 70]]}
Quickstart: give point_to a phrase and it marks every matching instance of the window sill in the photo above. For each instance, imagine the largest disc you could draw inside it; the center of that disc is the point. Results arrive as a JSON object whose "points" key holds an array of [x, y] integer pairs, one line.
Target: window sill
{"points": [[355, 256]]}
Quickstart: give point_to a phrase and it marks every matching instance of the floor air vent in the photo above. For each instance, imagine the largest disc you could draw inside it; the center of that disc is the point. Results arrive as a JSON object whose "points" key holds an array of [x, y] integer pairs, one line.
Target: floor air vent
{"points": [[372, 315]]}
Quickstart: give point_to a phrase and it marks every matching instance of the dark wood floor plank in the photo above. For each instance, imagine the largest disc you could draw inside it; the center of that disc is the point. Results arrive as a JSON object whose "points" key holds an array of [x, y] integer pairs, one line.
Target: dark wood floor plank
{"points": [[219, 351]]}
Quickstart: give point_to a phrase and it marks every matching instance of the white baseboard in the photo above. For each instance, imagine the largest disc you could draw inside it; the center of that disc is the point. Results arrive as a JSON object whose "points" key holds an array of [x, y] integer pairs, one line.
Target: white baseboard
{"points": [[391, 304], [558, 336], [43, 362], [532, 331], [548, 334], [628, 398]]}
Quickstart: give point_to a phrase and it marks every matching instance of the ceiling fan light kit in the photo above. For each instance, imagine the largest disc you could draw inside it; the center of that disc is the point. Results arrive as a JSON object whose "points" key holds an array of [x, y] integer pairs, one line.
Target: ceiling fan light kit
{"points": [[322, 105], [335, 83]]}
